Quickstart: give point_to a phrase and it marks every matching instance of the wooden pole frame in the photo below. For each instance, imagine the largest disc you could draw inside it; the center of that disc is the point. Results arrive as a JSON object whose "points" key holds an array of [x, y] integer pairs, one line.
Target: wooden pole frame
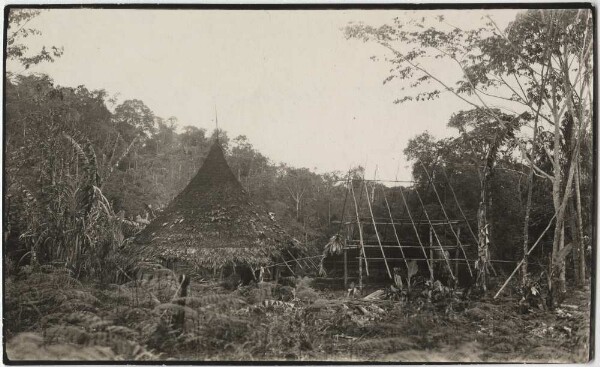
{"points": [[525, 257], [435, 235], [446, 215], [360, 232], [377, 233], [459, 207], [395, 232], [345, 267], [431, 247], [416, 232]]}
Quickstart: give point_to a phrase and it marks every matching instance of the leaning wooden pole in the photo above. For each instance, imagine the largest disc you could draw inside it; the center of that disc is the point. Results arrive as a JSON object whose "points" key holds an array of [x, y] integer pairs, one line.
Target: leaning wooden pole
{"points": [[581, 250], [417, 233], [182, 293], [460, 208], [395, 232], [525, 257], [436, 236], [360, 232], [491, 265], [345, 267], [387, 267], [447, 218], [288, 266], [296, 260]]}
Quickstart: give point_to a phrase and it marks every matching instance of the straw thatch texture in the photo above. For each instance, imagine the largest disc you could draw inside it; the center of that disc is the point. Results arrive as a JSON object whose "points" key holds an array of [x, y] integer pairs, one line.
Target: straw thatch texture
{"points": [[212, 223]]}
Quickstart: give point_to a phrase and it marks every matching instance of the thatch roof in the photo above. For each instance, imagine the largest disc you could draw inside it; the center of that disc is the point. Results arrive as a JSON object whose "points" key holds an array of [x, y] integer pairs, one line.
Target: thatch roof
{"points": [[212, 223]]}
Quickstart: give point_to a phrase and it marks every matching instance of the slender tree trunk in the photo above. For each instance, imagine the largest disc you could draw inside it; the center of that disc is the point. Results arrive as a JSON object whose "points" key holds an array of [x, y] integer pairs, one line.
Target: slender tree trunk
{"points": [[562, 278], [482, 220], [524, 270], [573, 230], [581, 267], [482, 250], [557, 277]]}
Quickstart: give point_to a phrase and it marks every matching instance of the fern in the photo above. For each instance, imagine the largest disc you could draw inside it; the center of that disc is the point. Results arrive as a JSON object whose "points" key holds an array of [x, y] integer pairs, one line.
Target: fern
{"points": [[173, 308], [386, 344], [32, 347], [211, 299]]}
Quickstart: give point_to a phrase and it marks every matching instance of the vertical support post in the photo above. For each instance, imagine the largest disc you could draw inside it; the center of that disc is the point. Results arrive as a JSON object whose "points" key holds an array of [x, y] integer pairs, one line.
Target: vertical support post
{"points": [[457, 254], [387, 267], [416, 233], [345, 267], [360, 263], [431, 247], [395, 231], [360, 231], [446, 216], [179, 317], [436, 236]]}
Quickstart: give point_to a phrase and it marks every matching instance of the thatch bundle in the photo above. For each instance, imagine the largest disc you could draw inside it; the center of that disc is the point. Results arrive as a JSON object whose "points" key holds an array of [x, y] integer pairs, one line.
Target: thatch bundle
{"points": [[335, 246], [212, 223]]}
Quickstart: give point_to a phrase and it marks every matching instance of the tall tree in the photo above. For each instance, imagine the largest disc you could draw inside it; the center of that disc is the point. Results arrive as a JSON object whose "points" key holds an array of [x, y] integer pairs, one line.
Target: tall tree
{"points": [[540, 64], [18, 29]]}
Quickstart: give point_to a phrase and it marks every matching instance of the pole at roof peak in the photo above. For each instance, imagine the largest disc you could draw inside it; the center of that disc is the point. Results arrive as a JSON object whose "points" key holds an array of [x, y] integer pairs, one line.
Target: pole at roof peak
{"points": [[216, 124]]}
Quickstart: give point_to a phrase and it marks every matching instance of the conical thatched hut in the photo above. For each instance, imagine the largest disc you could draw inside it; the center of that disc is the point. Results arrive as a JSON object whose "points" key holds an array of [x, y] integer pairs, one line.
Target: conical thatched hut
{"points": [[213, 225]]}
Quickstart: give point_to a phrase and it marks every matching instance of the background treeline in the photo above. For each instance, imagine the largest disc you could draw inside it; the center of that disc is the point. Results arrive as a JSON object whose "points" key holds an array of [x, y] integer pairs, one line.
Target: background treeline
{"points": [[79, 164], [60, 140], [142, 159]]}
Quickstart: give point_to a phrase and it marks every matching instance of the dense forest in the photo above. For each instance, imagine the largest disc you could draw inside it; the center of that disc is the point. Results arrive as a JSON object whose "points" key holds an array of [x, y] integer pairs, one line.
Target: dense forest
{"points": [[84, 172]]}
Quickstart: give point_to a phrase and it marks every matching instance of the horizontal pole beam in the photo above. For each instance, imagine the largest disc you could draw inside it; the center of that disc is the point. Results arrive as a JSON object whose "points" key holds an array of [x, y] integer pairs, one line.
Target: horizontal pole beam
{"points": [[403, 246], [406, 219], [402, 222], [411, 259], [421, 259]]}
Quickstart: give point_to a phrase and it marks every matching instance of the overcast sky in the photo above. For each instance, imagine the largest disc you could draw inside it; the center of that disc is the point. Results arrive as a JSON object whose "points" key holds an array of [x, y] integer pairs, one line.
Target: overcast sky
{"points": [[288, 80]]}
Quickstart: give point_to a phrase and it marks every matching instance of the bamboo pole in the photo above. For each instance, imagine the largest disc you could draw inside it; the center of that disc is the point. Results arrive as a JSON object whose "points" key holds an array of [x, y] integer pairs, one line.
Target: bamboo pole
{"points": [[288, 261], [345, 268], [360, 232], [312, 263], [297, 262], [395, 232], [460, 208], [525, 257], [377, 234], [431, 246], [435, 235], [344, 206], [360, 275], [289, 267], [465, 217], [425, 259], [416, 232], [446, 215], [456, 256], [447, 247], [407, 221]]}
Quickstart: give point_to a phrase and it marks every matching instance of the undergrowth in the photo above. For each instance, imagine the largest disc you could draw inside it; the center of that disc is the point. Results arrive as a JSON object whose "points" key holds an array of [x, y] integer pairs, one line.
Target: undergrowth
{"points": [[49, 315], [52, 316]]}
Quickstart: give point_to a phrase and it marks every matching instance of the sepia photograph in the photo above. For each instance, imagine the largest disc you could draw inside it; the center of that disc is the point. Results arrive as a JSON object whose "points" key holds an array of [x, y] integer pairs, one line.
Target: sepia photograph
{"points": [[299, 183]]}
